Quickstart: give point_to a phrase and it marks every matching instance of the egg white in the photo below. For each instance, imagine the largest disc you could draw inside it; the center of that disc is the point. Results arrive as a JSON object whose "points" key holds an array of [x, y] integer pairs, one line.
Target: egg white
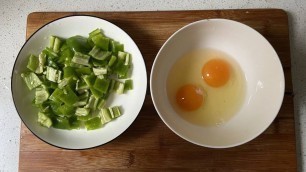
{"points": [[221, 103]]}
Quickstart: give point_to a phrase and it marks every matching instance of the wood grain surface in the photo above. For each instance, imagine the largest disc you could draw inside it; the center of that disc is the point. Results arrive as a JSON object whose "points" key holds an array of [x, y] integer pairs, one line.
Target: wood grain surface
{"points": [[148, 145]]}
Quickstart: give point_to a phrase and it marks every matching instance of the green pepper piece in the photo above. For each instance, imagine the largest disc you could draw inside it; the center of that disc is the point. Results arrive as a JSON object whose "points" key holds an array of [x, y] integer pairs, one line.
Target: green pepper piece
{"points": [[69, 72], [80, 59], [75, 123], [112, 61], [64, 46], [105, 115], [99, 54], [81, 85], [33, 63], [50, 84], [50, 53], [116, 46], [44, 120], [51, 41], [44, 107], [78, 44], [57, 44], [128, 85], [101, 41], [83, 71], [66, 110], [120, 67], [89, 79], [41, 63], [65, 56], [101, 85], [41, 95], [54, 107], [61, 123], [84, 118], [93, 123], [100, 63], [96, 92], [68, 96], [31, 80], [95, 32], [92, 102], [55, 95]]}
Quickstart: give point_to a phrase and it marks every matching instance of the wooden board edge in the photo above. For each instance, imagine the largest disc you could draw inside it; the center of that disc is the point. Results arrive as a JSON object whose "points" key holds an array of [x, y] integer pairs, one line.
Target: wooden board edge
{"points": [[68, 13]]}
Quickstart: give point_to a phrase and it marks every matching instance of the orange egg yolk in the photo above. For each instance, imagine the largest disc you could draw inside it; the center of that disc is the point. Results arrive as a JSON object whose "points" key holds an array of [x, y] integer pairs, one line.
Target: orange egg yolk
{"points": [[189, 97], [216, 72]]}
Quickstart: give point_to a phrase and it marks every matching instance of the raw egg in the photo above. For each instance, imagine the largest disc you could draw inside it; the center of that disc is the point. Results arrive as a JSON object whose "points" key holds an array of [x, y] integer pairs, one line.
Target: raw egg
{"points": [[216, 72], [206, 87], [189, 97]]}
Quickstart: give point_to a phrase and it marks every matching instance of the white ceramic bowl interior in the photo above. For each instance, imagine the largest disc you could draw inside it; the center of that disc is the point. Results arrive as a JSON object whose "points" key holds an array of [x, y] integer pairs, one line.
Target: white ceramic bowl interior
{"points": [[259, 62], [131, 102]]}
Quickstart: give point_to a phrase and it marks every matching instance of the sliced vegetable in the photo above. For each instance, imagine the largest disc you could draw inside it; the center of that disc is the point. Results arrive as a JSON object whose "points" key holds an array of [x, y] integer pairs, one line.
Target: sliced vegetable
{"points": [[81, 59], [31, 80], [105, 116], [100, 71], [101, 41], [89, 79], [112, 61], [68, 96], [101, 85], [56, 46], [41, 63], [128, 85], [61, 123], [33, 63], [73, 79], [92, 103], [99, 54], [52, 74], [93, 123], [41, 95], [82, 111], [78, 44], [119, 87], [44, 120], [66, 110], [116, 46]]}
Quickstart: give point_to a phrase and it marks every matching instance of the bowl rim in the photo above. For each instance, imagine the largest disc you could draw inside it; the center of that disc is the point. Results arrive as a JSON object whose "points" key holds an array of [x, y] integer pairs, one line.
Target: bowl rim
{"points": [[12, 74], [207, 145]]}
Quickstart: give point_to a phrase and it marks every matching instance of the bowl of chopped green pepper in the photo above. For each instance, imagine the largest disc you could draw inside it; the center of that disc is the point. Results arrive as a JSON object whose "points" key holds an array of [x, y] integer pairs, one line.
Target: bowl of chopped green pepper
{"points": [[79, 82]]}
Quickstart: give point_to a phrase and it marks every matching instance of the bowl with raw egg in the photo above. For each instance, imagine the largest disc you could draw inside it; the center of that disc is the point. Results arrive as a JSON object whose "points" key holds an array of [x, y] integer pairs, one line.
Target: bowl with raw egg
{"points": [[217, 83]]}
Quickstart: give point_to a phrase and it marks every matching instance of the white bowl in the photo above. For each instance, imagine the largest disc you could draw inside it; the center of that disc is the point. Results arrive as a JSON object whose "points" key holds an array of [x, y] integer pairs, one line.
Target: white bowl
{"points": [[257, 59], [79, 139]]}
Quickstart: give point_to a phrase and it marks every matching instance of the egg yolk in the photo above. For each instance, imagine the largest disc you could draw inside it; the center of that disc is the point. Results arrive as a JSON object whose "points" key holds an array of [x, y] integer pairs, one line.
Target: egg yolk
{"points": [[189, 97], [216, 72]]}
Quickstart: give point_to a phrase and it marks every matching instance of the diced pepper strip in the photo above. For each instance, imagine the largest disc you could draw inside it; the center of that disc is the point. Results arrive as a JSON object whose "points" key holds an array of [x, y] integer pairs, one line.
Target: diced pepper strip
{"points": [[128, 85], [41, 63], [31, 80], [101, 41], [44, 120], [66, 110], [93, 123], [99, 54], [82, 111], [81, 59], [101, 85], [61, 123], [33, 63], [41, 95], [105, 116], [68, 96]]}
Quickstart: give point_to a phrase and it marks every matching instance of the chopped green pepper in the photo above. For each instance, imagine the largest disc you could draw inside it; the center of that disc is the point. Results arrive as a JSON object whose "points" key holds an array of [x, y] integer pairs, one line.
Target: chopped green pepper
{"points": [[73, 78]]}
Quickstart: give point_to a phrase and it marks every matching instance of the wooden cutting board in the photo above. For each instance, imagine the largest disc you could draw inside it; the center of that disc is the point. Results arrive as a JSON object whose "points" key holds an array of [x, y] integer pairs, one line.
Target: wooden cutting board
{"points": [[148, 145]]}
